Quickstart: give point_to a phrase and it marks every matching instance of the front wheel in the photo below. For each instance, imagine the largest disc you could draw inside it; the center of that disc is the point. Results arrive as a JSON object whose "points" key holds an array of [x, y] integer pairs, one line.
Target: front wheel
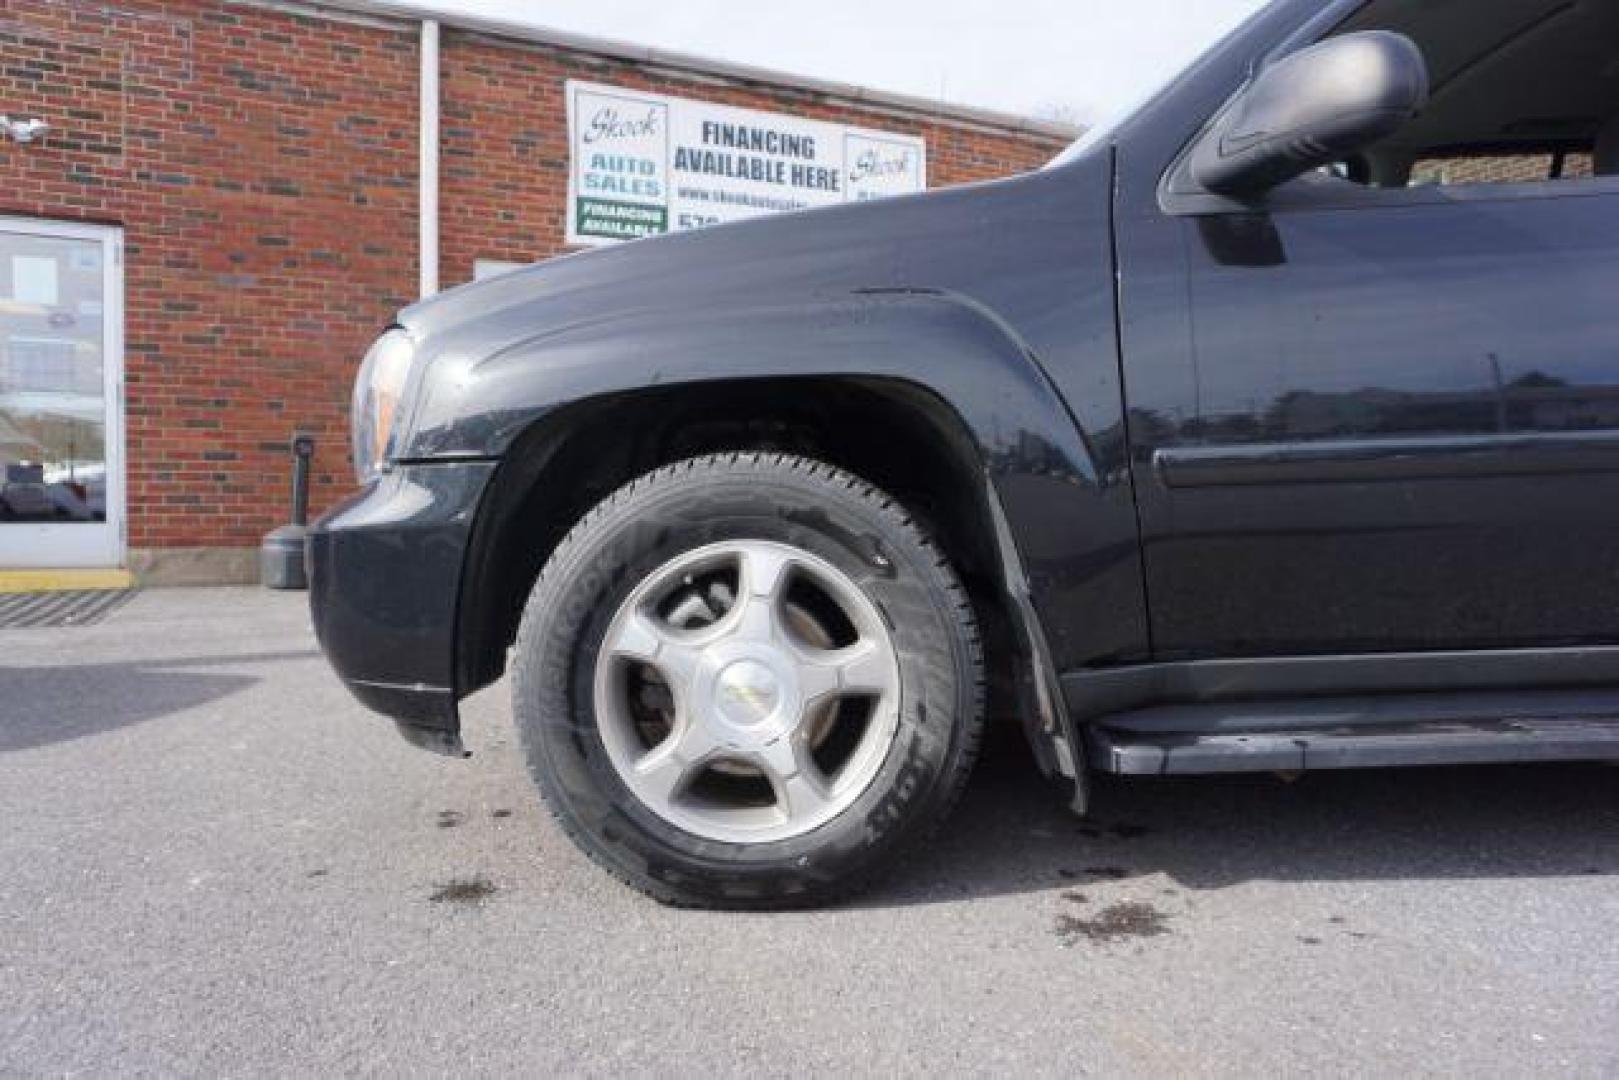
{"points": [[748, 681]]}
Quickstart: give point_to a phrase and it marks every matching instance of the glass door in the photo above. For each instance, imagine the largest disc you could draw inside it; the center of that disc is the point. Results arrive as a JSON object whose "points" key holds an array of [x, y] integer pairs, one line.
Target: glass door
{"points": [[61, 395]]}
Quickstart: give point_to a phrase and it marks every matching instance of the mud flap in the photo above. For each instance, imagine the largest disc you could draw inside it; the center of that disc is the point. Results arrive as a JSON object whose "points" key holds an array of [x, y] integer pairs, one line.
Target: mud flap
{"points": [[1057, 747]]}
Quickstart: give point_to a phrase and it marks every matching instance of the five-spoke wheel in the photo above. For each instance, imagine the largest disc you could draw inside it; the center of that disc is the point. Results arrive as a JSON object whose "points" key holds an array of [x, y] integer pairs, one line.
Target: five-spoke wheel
{"points": [[747, 691]]}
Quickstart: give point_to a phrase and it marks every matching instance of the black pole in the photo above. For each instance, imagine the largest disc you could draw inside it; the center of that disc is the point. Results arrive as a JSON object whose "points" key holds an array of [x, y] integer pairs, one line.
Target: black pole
{"points": [[303, 448]]}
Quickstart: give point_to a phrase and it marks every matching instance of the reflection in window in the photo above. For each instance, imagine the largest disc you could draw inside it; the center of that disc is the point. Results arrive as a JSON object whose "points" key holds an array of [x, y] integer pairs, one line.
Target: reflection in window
{"points": [[1501, 169], [52, 394]]}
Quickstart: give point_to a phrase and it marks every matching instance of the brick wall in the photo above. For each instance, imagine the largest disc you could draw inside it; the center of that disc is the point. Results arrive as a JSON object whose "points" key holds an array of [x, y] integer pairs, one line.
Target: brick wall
{"points": [[263, 166]]}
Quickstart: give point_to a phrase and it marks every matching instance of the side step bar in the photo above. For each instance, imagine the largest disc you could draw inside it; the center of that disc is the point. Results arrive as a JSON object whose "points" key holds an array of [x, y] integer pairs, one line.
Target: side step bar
{"points": [[1446, 742]]}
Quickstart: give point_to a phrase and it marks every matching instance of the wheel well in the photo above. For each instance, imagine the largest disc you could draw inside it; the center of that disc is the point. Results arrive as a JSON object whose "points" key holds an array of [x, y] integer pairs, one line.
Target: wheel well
{"points": [[893, 434]]}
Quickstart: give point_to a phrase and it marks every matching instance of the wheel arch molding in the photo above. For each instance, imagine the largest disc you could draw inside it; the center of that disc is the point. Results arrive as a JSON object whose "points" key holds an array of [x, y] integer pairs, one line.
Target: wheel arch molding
{"points": [[917, 375]]}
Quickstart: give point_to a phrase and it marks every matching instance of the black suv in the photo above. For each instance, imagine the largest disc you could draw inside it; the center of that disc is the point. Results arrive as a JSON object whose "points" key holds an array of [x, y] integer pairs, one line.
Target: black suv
{"points": [[1273, 427]]}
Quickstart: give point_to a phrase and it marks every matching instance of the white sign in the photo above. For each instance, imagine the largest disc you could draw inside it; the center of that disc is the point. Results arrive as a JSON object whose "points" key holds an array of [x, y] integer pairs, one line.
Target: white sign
{"points": [[644, 164]]}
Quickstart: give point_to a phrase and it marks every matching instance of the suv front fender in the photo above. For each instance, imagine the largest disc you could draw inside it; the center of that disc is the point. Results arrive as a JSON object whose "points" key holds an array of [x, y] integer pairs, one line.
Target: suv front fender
{"points": [[1042, 484]]}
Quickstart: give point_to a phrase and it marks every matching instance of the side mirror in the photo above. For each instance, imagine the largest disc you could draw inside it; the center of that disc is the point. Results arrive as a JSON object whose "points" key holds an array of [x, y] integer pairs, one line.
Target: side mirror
{"points": [[1315, 107]]}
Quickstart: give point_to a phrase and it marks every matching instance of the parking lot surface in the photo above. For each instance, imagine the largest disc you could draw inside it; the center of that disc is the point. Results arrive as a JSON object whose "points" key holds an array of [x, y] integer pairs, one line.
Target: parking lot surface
{"points": [[214, 862]]}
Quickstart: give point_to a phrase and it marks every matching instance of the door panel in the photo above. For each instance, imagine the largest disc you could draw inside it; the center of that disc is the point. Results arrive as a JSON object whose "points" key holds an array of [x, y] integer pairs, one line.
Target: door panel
{"points": [[61, 453], [1393, 425]]}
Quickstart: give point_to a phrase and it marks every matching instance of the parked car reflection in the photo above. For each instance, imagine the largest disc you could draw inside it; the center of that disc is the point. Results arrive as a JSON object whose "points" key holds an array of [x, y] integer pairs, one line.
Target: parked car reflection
{"points": [[30, 493], [51, 463]]}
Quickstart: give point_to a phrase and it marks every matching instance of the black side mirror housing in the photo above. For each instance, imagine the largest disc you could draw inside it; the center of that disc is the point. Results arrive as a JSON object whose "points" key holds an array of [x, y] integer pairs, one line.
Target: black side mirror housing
{"points": [[1310, 109]]}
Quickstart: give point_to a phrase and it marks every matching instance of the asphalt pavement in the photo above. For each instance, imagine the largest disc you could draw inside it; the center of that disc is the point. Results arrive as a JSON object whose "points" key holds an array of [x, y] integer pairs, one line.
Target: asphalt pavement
{"points": [[214, 862]]}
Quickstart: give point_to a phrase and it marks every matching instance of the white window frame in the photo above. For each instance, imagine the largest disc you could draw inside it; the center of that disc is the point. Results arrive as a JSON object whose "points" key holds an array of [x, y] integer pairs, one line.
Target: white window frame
{"points": [[30, 545]]}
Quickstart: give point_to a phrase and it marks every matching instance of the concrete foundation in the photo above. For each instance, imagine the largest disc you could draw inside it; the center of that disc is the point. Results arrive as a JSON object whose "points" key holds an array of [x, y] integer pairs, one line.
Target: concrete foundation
{"points": [[194, 566]]}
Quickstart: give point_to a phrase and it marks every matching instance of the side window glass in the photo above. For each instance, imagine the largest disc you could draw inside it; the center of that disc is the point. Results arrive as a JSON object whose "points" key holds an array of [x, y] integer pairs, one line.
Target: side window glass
{"points": [[1501, 168], [1522, 91]]}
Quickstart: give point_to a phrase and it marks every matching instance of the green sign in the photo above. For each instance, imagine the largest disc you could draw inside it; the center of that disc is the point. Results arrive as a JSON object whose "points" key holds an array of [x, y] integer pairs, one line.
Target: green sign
{"points": [[608, 220]]}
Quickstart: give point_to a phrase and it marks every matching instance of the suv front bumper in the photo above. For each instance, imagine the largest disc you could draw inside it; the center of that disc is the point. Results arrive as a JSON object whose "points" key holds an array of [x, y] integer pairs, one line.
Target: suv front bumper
{"points": [[384, 581]]}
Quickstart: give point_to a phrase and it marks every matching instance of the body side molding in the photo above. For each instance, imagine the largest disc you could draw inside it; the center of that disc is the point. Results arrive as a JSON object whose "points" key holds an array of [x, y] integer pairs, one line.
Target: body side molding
{"points": [[1103, 692]]}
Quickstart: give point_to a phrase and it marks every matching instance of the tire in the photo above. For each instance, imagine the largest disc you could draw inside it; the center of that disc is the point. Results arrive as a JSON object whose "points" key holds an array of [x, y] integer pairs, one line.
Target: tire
{"points": [[768, 820]]}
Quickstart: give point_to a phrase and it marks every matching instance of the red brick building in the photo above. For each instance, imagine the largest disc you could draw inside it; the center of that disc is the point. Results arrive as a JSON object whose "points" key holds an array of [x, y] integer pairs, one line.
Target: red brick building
{"points": [[225, 210]]}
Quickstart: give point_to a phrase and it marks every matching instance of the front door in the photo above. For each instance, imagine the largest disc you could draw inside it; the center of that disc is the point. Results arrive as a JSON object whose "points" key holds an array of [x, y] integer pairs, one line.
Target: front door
{"points": [[1403, 435], [1390, 418], [61, 388]]}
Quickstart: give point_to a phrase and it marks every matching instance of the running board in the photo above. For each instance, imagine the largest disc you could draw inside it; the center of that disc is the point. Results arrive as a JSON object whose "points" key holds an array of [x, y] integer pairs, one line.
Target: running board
{"points": [[1155, 753]]}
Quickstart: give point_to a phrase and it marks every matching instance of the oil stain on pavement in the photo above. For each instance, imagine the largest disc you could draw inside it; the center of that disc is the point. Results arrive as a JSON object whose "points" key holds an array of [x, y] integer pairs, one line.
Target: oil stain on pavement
{"points": [[1114, 923], [464, 891]]}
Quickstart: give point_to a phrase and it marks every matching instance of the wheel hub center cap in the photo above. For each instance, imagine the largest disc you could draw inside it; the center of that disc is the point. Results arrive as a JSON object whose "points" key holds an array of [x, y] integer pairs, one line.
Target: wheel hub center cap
{"points": [[748, 693]]}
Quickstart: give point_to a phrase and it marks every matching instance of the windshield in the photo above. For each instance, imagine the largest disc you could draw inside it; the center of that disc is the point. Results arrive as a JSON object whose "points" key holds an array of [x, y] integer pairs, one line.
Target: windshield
{"points": [[1116, 117]]}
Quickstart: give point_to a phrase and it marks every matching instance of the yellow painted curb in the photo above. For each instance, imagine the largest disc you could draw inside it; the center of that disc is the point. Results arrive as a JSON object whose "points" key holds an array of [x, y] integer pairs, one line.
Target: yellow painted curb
{"points": [[25, 581]]}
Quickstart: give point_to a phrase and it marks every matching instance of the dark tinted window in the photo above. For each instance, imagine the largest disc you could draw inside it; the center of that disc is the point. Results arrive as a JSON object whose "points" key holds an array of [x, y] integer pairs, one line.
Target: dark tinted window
{"points": [[1522, 90]]}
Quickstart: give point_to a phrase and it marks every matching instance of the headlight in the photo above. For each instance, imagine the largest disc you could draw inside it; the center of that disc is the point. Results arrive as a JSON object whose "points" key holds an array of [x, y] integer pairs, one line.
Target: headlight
{"points": [[377, 393]]}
